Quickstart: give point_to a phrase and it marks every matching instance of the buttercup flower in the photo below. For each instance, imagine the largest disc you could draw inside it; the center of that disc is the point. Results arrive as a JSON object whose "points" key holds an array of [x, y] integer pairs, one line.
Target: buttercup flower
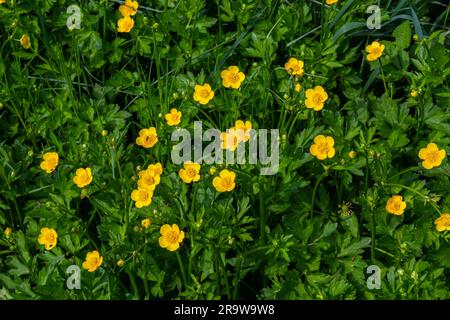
{"points": [[171, 237], [232, 77], [203, 93], [125, 24], [129, 8], [146, 223], [2, 1], [323, 147], [190, 172], [25, 41], [242, 130], [414, 93], [142, 197], [229, 139], [352, 154], [121, 263], [50, 161], [83, 177], [374, 50], [315, 98], [156, 168], [225, 182], [298, 87], [147, 138], [431, 156], [212, 171], [173, 118], [443, 222], [48, 237], [93, 261], [148, 179], [332, 1], [294, 67], [396, 205], [8, 232]]}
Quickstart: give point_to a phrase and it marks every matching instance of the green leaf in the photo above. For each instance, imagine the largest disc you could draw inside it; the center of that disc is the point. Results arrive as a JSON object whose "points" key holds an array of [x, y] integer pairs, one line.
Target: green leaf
{"points": [[402, 35]]}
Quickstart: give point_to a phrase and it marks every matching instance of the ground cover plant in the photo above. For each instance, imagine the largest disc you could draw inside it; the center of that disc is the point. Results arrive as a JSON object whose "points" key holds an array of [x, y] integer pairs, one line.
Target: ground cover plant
{"points": [[92, 91]]}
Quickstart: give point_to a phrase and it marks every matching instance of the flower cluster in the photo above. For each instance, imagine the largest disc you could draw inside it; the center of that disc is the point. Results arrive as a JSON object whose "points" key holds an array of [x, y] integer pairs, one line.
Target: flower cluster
{"points": [[148, 180], [127, 10], [235, 135]]}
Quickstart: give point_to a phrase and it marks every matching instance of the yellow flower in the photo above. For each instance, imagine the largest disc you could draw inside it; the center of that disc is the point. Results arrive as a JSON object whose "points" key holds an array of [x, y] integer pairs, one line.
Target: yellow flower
{"points": [[203, 93], [93, 261], [142, 197], [146, 223], [232, 77], [190, 172], [229, 140], [323, 147], [298, 87], [414, 93], [121, 263], [25, 41], [225, 182], [148, 179], [212, 171], [125, 24], [431, 156], [50, 161], [48, 237], [174, 117], [315, 98], [396, 205], [8, 232], [374, 50], [171, 237], [2, 1], [83, 177], [294, 67], [104, 133], [242, 130], [147, 138], [352, 154], [156, 168], [443, 222], [332, 1], [129, 8]]}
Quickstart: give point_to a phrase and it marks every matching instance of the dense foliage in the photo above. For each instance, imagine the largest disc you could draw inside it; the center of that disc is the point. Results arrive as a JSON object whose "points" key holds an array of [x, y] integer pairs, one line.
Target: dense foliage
{"points": [[308, 232]]}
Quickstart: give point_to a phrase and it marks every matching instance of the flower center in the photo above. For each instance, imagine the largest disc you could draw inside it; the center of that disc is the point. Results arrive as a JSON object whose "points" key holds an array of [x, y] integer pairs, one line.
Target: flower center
{"points": [[396, 206], [191, 172], [50, 238], [172, 237], [234, 78], [149, 180], [318, 99], [204, 93], [150, 139], [227, 182], [433, 156], [323, 147], [376, 51], [143, 196]]}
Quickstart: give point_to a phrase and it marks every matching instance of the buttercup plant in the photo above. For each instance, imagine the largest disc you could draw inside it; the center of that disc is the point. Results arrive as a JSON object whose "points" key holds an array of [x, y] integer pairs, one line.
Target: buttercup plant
{"points": [[224, 150]]}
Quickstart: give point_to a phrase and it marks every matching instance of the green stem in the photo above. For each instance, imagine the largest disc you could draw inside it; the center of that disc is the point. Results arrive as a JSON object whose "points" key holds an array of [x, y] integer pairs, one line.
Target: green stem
{"points": [[183, 274], [133, 284], [238, 278], [147, 293], [383, 77], [323, 175]]}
